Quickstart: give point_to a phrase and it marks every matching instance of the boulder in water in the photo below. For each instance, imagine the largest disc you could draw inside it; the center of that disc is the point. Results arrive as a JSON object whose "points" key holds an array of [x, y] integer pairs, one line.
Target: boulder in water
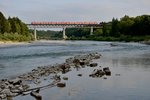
{"points": [[93, 64], [61, 84]]}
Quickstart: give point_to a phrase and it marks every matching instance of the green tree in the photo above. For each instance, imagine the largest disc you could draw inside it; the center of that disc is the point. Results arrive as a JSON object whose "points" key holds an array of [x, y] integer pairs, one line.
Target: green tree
{"points": [[142, 25], [106, 28], [115, 28], [125, 25], [4, 24]]}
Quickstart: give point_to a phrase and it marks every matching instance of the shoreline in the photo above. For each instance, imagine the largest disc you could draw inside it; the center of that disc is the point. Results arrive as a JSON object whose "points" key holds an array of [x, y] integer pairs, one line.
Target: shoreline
{"points": [[13, 42], [7, 43]]}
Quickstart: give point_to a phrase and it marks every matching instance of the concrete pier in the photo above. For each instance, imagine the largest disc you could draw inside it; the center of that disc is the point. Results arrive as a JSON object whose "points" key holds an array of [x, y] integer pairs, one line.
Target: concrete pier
{"points": [[35, 35]]}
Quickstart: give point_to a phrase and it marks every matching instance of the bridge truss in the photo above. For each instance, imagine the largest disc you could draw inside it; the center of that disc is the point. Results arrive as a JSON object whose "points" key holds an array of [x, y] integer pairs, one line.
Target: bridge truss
{"points": [[63, 25]]}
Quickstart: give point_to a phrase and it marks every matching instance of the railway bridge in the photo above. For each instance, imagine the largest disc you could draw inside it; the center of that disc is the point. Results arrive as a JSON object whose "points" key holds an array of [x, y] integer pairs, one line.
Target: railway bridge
{"points": [[63, 25]]}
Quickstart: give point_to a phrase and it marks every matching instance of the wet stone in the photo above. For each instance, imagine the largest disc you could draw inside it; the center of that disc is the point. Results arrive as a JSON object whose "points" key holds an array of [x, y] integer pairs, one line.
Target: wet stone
{"points": [[117, 74], [2, 86], [16, 81], [7, 92], [0, 89], [93, 64], [80, 75], [61, 84], [107, 71], [104, 77], [82, 63], [65, 78], [97, 73], [3, 96]]}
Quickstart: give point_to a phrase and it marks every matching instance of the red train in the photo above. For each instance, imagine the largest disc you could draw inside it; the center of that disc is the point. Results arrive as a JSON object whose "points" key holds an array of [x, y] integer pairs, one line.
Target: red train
{"points": [[64, 23]]}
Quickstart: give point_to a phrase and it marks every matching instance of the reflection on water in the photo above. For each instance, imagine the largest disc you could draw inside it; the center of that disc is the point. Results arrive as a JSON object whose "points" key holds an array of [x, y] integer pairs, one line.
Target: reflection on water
{"points": [[130, 60]]}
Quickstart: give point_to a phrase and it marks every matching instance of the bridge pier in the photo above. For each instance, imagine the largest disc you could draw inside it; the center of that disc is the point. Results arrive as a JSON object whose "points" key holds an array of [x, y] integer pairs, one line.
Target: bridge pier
{"points": [[91, 31], [64, 33], [35, 36]]}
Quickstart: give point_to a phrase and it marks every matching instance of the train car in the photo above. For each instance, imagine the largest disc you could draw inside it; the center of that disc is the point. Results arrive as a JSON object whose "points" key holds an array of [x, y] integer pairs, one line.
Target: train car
{"points": [[49, 23], [33, 23]]}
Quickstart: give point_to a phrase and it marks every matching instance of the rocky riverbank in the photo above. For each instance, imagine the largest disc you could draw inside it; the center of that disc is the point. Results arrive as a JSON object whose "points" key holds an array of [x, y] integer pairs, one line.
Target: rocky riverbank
{"points": [[31, 83]]}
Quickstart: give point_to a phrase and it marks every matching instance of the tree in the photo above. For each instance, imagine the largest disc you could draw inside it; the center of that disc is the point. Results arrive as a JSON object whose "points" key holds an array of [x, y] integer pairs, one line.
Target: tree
{"points": [[126, 24], [4, 24], [142, 25], [114, 27], [106, 28]]}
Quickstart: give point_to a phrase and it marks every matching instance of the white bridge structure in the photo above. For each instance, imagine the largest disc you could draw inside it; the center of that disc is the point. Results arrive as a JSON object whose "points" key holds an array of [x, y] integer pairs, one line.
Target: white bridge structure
{"points": [[63, 25]]}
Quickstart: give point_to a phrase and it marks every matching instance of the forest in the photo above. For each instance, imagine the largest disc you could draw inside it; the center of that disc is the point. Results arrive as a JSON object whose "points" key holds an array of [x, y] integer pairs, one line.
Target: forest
{"points": [[13, 29], [125, 29]]}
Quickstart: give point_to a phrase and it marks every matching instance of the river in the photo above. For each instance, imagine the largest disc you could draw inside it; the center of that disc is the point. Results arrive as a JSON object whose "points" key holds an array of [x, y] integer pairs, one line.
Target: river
{"points": [[129, 62]]}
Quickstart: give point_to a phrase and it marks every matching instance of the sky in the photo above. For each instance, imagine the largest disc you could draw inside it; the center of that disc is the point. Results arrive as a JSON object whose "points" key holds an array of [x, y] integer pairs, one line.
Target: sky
{"points": [[73, 10]]}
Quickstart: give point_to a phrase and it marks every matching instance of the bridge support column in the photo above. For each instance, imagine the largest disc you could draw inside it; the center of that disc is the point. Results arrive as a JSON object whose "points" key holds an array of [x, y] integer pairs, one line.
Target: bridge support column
{"points": [[35, 36], [91, 31], [64, 33]]}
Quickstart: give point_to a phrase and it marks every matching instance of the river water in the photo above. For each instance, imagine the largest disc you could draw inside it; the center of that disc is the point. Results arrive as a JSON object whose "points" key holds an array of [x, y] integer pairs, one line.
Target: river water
{"points": [[129, 63]]}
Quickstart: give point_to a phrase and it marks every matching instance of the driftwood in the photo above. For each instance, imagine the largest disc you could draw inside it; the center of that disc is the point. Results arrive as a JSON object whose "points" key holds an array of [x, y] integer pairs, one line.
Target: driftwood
{"points": [[36, 94], [37, 88]]}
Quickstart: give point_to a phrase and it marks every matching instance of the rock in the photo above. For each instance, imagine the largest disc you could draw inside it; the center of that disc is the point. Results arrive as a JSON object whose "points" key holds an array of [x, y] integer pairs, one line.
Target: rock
{"points": [[3, 96], [79, 74], [105, 68], [63, 67], [0, 89], [117, 74], [69, 60], [113, 44], [97, 73], [61, 84], [37, 81], [11, 86], [65, 78], [25, 86], [93, 64], [56, 77], [36, 95], [3, 86], [20, 88], [107, 71], [97, 56], [82, 63], [6, 83], [3, 80], [104, 77], [101, 73], [7, 92], [76, 61], [16, 81]]}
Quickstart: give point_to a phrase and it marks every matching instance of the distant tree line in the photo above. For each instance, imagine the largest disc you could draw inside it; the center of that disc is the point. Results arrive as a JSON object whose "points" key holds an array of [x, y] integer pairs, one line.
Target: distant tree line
{"points": [[138, 26], [125, 29], [48, 34], [13, 29]]}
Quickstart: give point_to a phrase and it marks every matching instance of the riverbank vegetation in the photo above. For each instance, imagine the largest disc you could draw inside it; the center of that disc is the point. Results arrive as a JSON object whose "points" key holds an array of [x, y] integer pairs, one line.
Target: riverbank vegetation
{"points": [[49, 35], [125, 29], [13, 29]]}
